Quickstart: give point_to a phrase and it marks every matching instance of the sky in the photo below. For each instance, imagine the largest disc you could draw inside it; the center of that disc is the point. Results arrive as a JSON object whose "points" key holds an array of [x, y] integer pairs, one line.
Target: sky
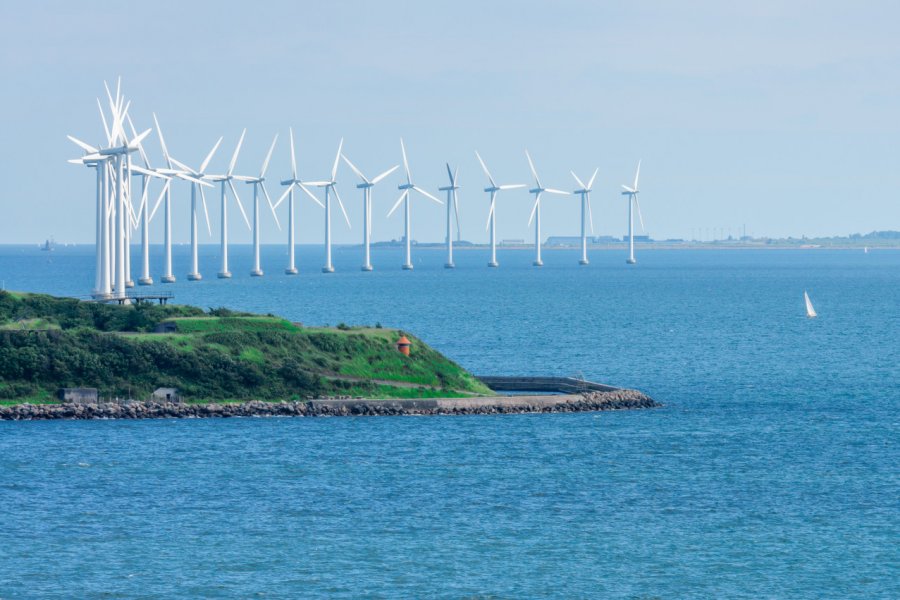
{"points": [[777, 116]]}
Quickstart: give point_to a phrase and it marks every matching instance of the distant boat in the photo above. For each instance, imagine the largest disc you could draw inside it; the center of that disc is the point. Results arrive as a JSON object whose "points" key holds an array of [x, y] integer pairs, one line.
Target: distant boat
{"points": [[810, 311], [865, 250], [48, 245]]}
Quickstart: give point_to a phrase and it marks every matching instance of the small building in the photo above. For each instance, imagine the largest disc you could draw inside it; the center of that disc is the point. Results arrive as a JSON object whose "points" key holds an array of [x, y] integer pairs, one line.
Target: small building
{"points": [[166, 327], [166, 394], [79, 395]]}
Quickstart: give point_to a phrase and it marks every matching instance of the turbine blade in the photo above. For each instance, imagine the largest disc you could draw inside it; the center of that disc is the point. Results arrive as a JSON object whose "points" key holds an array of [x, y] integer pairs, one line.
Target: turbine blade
{"points": [[427, 195], [240, 205], [162, 195], [265, 166], [456, 210], [271, 207], [140, 146], [205, 210], [455, 177], [310, 194], [397, 203], [105, 126], [490, 212], [237, 150], [449, 173], [590, 213], [385, 174], [341, 204], [486, 172], [636, 175], [537, 200], [593, 177], [512, 186], [293, 156], [337, 159], [580, 183], [284, 195], [86, 147], [405, 162], [183, 166], [627, 189], [136, 142], [640, 216], [533, 171], [162, 142], [557, 192], [353, 168], [209, 156]]}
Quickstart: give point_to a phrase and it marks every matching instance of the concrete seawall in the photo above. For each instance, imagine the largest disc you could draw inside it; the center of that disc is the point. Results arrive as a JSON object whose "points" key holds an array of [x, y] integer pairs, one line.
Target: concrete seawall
{"points": [[591, 401]]}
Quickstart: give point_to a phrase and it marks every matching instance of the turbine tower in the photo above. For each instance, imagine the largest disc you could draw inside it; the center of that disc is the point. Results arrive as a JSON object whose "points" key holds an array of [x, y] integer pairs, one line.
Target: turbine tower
{"points": [[228, 178], [366, 186], [632, 193], [289, 193], [451, 199], [538, 190], [492, 214], [585, 192], [257, 183], [330, 187], [405, 198]]}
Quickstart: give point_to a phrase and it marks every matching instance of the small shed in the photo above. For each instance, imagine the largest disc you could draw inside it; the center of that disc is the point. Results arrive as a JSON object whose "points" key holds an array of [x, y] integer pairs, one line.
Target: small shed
{"points": [[166, 327], [166, 394], [79, 395]]}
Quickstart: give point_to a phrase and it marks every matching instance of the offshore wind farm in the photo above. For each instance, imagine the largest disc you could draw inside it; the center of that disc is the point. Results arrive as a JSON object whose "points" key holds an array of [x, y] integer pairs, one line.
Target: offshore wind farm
{"points": [[122, 211]]}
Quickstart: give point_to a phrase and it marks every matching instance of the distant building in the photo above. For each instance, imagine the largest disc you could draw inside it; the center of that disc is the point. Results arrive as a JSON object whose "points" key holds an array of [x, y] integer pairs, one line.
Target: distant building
{"points": [[564, 240], [638, 238], [512, 242], [78, 395], [605, 239], [166, 394]]}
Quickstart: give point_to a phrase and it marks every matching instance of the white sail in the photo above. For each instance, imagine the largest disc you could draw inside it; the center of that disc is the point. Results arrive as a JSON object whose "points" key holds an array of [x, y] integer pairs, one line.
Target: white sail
{"points": [[810, 311]]}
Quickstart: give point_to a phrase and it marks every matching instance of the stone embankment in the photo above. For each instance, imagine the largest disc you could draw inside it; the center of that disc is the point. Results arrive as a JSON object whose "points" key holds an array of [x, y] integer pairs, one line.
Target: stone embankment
{"points": [[591, 401]]}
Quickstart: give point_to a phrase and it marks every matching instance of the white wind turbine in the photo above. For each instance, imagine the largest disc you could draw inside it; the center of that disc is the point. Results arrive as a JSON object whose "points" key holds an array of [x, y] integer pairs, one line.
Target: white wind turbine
{"points": [[289, 194], [632, 193], [454, 200], [200, 175], [492, 214], [330, 187], [538, 190], [257, 183], [405, 198], [366, 186], [166, 196], [228, 178], [585, 192]]}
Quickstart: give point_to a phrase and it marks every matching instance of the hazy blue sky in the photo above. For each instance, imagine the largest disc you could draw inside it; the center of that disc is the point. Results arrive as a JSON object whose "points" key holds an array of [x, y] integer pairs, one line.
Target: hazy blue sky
{"points": [[779, 115]]}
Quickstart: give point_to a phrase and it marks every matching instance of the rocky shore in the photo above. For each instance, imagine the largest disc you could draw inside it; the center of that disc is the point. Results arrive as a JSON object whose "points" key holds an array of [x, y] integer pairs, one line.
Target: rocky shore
{"points": [[593, 401]]}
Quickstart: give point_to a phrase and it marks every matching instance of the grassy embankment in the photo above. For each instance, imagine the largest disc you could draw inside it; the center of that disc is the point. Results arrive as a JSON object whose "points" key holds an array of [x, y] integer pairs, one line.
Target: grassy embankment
{"points": [[47, 343]]}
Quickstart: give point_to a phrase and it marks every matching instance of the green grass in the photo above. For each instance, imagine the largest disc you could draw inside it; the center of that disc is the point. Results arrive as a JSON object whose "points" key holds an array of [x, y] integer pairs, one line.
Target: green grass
{"points": [[212, 356]]}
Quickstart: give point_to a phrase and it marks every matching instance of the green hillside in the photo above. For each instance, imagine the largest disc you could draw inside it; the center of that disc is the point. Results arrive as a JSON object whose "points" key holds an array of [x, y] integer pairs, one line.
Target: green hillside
{"points": [[47, 343]]}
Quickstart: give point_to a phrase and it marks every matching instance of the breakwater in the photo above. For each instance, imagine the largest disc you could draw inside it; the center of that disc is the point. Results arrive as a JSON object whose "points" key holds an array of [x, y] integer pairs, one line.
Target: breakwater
{"points": [[591, 401]]}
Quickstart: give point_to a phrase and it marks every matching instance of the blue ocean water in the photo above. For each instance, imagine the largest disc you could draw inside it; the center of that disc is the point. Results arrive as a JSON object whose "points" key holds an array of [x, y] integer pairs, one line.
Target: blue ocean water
{"points": [[771, 471]]}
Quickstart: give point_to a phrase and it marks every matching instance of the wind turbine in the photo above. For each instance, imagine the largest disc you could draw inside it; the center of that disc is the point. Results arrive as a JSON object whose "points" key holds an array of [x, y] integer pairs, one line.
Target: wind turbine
{"points": [[330, 187], [366, 186], [200, 175], [492, 215], [538, 190], [289, 193], [632, 193], [228, 178], [166, 195], [585, 192], [451, 199], [260, 182], [405, 198]]}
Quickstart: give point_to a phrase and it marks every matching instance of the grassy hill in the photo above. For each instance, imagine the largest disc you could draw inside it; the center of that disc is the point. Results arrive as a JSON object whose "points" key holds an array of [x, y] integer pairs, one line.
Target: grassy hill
{"points": [[219, 355]]}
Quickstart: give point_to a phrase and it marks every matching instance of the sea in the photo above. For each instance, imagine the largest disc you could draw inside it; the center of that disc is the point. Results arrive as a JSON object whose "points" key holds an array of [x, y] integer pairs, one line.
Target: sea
{"points": [[772, 471]]}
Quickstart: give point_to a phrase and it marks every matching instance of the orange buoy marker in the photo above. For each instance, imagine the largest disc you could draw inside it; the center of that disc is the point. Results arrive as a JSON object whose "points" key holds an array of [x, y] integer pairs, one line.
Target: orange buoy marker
{"points": [[403, 345]]}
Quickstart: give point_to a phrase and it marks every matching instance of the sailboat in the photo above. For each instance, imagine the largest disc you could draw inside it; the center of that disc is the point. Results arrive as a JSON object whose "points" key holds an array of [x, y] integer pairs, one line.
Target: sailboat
{"points": [[810, 311], [866, 250]]}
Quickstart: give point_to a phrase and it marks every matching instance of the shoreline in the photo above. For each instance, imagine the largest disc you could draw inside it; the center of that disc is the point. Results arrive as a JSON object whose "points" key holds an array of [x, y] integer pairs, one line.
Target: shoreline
{"points": [[586, 402]]}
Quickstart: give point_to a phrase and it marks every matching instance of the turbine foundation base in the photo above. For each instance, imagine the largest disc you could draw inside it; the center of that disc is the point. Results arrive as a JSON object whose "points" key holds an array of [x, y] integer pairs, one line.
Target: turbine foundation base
{"points": [[290, 271], [328, 269], [129, 283], [494, 264], [366, 268], [538, 263], [145, 281], [631, 261], [167, 279], [407, 267], [224, 275], [256, 273], [449, 265], [194, 276], [583, 262]]}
